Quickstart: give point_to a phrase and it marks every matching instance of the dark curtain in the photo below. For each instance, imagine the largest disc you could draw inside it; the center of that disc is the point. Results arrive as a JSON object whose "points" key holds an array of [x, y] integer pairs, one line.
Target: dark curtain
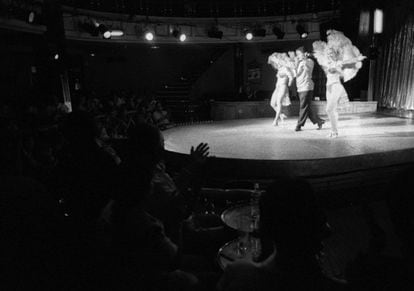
{"points": [[394, 84]]}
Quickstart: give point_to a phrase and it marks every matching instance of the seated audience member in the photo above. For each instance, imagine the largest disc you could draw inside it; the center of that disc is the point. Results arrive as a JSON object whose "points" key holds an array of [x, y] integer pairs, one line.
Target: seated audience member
{"points": [[29, 236], [124, 121], [401, 206], [29, 223], [143, 256], [169, 198], [84, 179], [160, 116], [292, 221], [85, 169], [103, 134], [112, 124], [372, 269]]}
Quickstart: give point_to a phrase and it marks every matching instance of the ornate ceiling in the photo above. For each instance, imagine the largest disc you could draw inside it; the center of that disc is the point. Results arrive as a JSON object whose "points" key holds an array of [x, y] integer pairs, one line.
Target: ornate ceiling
{"points": [[92, 20], [206, 8]]}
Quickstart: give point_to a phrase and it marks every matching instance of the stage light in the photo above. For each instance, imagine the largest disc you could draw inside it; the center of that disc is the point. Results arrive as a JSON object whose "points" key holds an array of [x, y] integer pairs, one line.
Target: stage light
{"points": [[117, 32], [183, 37], [177, 34], [56, 56], [303, 33], [378, 21], [364, 22], [214, 32], [248, 35], [34, 12], [106, 33], [31, 17], [278, 32], [149, 36]]}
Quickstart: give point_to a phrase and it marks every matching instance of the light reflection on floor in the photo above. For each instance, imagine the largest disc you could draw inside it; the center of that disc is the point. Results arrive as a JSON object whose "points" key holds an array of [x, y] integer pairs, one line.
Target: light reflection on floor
{"points": [[258, 139]]}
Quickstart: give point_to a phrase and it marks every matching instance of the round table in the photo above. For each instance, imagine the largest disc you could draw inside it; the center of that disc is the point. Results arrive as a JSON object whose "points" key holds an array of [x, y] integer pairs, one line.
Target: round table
{"points": [[243, 248], [243, 217]]}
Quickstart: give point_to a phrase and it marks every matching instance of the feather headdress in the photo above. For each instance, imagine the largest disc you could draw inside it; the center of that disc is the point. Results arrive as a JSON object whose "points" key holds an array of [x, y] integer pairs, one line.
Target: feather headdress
{"points": [[279, 60], [339, 51]]}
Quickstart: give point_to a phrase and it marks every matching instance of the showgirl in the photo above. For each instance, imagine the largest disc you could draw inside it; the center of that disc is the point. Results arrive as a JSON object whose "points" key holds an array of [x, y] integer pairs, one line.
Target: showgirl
{"points": [[285, 75], [339, 59]]}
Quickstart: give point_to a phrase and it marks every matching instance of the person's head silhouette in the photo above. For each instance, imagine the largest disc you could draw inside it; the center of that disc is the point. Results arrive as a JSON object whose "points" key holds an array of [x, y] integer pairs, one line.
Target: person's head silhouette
{"points": [[291, 217]]}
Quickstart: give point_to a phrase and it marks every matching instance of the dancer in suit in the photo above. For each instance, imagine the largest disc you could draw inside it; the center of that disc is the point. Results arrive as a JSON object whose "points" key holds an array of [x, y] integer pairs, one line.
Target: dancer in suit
{"points": [[305, 86], [340, 60], [280, 96]]}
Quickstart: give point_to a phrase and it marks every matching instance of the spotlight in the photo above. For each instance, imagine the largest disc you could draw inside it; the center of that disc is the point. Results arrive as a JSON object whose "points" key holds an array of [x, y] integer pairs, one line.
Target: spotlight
{"points": [[248, 35], [301, 31], [177, 34], [117, 33], [104, 30], [56, 56], [107, 34], [149, 36], [278, 32], [34, 12], [214, 32], [259, 32], [378, 21], [31, 17], [364, 22]]}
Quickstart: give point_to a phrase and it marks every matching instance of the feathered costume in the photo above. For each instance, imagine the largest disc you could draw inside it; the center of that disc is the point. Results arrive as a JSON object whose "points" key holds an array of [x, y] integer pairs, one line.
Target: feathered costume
{"points": [[285, 75], [340, 59], [338, 52]]}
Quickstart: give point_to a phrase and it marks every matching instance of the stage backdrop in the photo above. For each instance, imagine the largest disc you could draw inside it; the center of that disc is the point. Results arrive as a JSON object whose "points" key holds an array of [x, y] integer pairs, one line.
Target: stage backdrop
{"points": [[395, 70]]}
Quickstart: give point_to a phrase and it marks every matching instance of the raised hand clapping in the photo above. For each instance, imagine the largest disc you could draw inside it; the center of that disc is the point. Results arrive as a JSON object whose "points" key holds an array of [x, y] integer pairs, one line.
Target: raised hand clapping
{"points": [[200, 153]]}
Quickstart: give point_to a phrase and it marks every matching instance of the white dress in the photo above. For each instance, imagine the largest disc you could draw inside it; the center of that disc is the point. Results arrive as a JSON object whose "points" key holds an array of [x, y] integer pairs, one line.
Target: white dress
{"points": [[335, 91], [335, 96], [280, 96]]}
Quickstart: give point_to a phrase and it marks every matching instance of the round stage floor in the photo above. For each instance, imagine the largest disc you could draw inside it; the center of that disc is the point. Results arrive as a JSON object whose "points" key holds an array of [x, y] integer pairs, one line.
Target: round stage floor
{"points": [[365, 140]]}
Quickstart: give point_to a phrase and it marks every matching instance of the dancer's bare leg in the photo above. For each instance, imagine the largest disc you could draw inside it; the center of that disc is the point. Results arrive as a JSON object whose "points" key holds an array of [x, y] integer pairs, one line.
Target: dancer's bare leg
{"points": [[277, 108], [282, 118], [331, 110]]}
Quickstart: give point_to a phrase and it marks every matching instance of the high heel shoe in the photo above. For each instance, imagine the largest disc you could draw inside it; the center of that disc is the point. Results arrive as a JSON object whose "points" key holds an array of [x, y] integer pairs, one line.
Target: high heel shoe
{"points": [[282, 118], [320, 123], [333, 134]]}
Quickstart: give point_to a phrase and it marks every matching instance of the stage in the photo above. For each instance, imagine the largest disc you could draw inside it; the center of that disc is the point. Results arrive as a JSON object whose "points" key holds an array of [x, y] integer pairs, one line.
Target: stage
{"points": [[222, 110], [253, 148]]}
